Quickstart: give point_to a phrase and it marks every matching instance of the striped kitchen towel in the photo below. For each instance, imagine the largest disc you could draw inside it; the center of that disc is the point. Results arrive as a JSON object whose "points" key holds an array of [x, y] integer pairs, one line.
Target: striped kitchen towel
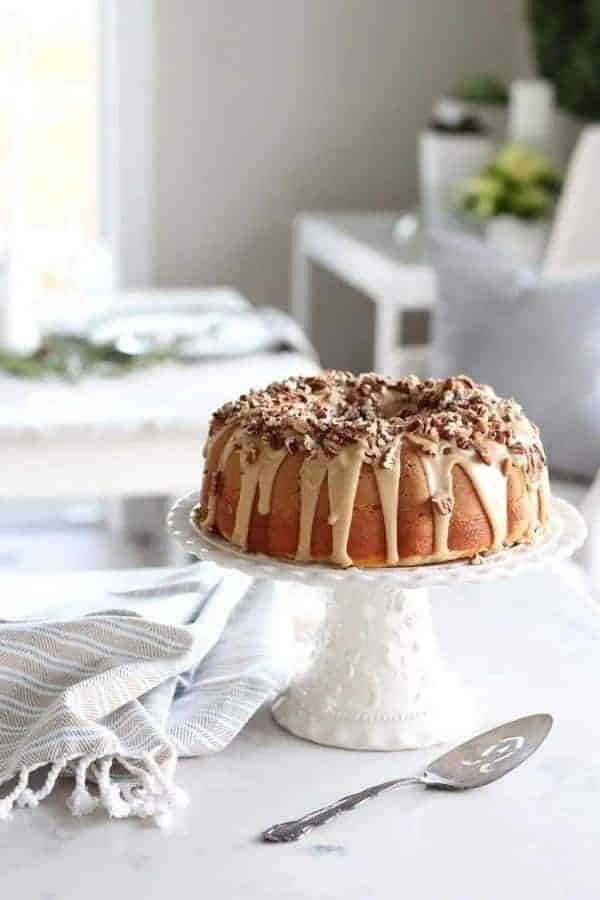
{"points": [[115, 697]]}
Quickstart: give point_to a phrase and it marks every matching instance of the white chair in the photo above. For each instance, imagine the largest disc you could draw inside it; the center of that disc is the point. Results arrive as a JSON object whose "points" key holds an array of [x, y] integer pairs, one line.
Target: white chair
{"points": [[531, 336], [574, 243]]}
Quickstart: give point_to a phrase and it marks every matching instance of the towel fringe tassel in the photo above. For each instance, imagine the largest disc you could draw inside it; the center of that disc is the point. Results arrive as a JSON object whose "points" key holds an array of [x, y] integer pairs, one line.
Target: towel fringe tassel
{"points": [[30, 799], [7, 803], [110, 791], [152, 793], [156, 796], [175, 796], [81, 802]]}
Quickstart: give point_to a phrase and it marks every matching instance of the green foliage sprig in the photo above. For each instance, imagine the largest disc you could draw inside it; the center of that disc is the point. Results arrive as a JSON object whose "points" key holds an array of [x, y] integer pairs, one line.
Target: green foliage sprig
{"points": [[566, 41], [481, 89], [518, 181], [68, 357]]}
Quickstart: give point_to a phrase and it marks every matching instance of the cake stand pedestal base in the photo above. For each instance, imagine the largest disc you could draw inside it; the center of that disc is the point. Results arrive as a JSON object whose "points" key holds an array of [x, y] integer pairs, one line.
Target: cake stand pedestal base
{"points": [[377, 680]]}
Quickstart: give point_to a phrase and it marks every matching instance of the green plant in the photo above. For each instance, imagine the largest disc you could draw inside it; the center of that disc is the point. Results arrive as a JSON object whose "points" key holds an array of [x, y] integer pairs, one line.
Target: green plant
{"points": [[566, 41], [518, 181], [481, 89], [68, 357]]}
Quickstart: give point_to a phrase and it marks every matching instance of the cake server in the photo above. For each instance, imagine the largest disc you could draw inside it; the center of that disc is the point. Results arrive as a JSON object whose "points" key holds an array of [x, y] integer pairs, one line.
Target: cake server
{"points": [[479, 761]]}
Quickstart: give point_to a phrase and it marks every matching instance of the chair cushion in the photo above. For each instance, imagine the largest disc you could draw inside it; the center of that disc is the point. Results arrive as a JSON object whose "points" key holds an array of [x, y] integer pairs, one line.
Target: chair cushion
{"points": [[534, 338]]}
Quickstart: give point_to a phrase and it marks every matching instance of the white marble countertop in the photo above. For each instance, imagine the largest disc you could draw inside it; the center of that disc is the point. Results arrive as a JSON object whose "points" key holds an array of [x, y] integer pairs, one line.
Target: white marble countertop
{"points": [[529, 645]]}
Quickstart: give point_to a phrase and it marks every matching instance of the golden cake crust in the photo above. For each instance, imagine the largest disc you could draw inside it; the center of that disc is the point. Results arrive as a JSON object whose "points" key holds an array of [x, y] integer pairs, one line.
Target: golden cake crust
{"points": [[395, 473]]}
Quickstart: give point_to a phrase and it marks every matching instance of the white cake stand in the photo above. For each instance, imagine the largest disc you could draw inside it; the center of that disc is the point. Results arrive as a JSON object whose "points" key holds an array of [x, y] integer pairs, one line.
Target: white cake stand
{"points": [[377, 679]]}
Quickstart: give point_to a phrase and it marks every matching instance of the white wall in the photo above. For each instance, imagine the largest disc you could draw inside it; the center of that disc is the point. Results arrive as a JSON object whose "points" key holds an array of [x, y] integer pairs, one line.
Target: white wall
{"points": [[268, 107]]}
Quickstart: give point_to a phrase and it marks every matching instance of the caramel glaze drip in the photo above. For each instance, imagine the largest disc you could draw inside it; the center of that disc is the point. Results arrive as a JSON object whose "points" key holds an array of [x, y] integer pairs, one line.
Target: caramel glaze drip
{"points": [[486, 465], [343, 472], [260, 463], [312, 475], [217, 451], [258, 468], [388, 485]]}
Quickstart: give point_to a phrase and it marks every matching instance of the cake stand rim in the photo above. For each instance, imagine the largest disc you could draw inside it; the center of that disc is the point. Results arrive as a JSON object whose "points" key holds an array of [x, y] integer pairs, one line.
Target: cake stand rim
{"points": [[565, 534]]}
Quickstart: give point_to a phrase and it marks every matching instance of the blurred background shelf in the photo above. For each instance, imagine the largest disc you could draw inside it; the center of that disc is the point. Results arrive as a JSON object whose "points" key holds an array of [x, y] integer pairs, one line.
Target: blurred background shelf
{"points": [[381, 255]]}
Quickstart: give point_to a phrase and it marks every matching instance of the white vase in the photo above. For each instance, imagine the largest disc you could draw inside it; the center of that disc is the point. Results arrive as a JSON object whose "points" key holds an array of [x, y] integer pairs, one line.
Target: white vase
{"points": [[531, 113], [445, 161], [524, 241]]}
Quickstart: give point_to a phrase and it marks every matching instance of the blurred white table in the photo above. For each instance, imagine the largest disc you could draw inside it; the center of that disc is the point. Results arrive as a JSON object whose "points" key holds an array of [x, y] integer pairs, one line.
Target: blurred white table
{"points": [[528, 645], [125, 436], [132, 435], [366, 250]]}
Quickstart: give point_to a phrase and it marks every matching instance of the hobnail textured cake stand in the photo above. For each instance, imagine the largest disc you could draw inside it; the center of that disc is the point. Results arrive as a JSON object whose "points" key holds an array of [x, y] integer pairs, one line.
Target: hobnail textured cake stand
{"points": [[377, 679]]}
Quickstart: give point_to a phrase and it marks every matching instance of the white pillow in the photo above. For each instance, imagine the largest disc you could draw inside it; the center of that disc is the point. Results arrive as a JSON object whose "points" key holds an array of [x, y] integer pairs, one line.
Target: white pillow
{"points": [[534, 338]]}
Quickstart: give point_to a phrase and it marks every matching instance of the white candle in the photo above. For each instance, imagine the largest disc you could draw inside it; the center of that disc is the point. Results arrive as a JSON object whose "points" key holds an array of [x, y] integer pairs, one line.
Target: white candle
{"points": [[19, 329], [530, 111]]}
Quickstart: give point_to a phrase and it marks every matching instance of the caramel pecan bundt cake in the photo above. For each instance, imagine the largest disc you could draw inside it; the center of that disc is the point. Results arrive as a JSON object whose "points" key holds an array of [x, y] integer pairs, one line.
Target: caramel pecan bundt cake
{"points": [[370, 471]]}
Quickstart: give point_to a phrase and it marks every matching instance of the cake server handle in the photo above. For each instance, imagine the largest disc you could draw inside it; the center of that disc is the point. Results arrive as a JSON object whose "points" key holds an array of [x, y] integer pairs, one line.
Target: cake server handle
{"points": [[291, 831]]}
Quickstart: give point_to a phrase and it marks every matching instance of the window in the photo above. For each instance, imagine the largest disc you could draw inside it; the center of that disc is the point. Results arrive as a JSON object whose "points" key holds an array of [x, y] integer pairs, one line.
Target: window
{"points": [[49, 148]]}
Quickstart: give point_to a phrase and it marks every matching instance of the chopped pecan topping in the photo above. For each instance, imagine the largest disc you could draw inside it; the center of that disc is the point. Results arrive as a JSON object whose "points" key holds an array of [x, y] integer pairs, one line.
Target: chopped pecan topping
{"points": [[250, 455], [388, 460], [326, 412]]}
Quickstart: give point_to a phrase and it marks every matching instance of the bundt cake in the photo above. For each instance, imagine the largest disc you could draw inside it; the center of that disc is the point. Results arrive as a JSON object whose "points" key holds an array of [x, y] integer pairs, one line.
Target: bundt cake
{"points": [[369, 471]]}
